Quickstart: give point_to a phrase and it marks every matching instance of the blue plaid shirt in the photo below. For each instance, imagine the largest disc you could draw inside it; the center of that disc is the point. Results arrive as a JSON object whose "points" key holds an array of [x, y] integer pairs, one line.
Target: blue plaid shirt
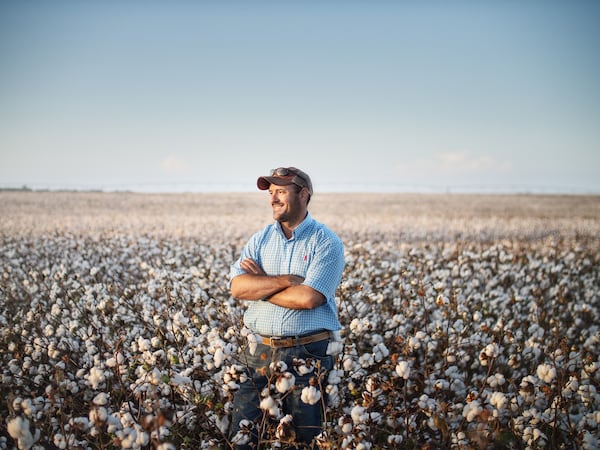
{"points": [[313, 252]]}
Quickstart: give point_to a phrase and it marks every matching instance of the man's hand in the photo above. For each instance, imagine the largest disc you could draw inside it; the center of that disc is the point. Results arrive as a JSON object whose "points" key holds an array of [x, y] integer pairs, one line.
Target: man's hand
{"points": [[251, 266], [283, 290]]}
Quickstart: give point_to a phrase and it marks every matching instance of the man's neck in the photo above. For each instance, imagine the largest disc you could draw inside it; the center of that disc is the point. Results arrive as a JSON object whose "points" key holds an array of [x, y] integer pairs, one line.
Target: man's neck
{"points": [[289, 226]]}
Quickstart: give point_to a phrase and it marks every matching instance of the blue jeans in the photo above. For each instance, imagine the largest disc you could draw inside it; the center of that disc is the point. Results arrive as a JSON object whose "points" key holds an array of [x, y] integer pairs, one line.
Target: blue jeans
{"points": [[307, 419]]}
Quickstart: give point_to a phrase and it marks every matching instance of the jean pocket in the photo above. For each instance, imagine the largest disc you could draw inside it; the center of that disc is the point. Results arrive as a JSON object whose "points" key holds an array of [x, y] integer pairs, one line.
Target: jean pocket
{"points": [[260, 357], [318, 352]]}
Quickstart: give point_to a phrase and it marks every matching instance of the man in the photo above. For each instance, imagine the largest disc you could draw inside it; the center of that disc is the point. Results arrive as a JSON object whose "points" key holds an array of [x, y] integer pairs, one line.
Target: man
{"points": [[288, 273]]}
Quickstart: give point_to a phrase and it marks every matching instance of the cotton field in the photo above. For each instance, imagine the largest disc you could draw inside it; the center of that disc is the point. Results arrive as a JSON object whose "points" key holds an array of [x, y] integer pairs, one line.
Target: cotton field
{"points": [[471, 322]]}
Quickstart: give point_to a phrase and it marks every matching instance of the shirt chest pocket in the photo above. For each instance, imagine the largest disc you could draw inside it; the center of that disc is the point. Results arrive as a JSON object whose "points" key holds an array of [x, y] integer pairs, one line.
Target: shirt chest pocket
{"points": [[291, 257], [299, 263]]}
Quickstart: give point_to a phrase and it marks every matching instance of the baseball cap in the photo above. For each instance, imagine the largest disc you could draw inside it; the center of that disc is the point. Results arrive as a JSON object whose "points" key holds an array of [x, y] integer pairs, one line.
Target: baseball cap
{"points": [[283, 176]]}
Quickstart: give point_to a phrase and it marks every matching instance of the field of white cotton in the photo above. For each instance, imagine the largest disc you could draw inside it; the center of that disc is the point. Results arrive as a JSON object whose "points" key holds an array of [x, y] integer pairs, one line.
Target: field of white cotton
{"points": [[470, 321]]}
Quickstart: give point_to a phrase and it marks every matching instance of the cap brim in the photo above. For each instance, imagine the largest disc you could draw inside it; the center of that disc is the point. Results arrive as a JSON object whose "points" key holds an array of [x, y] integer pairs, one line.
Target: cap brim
{"points": [[264, 183]]}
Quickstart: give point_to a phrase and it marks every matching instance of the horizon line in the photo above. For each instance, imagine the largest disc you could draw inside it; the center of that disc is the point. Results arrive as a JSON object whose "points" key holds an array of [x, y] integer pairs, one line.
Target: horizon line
{"points": [[359, 188]]}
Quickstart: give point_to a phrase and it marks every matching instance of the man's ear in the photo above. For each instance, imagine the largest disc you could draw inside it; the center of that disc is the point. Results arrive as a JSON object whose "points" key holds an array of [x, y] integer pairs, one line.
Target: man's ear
{"points": [[304, 194]]}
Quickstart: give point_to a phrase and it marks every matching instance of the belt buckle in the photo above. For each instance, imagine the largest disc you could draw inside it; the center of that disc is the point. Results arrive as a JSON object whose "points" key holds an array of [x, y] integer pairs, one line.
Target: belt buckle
{"points": [[280, 342]]}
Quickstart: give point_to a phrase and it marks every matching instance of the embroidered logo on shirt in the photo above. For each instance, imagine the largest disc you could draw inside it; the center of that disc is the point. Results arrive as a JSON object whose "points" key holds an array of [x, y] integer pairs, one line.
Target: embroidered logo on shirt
{"points": [[305, 257]]}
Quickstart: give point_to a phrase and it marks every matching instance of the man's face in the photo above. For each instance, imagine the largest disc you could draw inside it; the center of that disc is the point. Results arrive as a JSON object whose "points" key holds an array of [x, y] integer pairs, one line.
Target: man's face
{"points": [[285, 203]]}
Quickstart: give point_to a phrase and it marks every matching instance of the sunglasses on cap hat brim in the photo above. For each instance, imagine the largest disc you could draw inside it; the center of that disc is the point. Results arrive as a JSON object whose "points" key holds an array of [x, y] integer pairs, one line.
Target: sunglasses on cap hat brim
{"points": [[283, 176]]}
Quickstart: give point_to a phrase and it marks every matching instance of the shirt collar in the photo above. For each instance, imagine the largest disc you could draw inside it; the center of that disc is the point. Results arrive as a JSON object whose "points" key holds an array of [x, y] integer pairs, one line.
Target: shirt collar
{"points": [[301, 228]]}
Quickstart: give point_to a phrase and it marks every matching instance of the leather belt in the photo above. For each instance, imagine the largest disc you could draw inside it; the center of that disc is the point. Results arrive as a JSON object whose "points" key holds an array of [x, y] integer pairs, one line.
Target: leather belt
{"points": [[283, 342]]}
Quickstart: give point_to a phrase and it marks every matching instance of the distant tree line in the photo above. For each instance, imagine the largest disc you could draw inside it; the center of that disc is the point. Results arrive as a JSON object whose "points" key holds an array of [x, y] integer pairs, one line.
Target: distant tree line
{"points": [[26, 188], [23, 188]]}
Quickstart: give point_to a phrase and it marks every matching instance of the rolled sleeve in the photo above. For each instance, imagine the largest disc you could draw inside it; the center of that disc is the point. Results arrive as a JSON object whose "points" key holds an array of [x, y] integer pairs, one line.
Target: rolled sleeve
{"points": [[326, 273]]}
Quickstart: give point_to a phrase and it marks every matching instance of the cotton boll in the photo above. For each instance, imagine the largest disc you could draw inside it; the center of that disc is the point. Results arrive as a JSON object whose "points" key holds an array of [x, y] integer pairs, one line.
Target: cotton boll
{"points": [[346, 424], [587, 393], [243, 436], [16, 426], [16, 404], [60, 331], [333, 395], [380, 352], [143, 344], [366, 360], [162, 433], [253, 340], [570, 388], [395, 439], [208, 361], [303, 367], [358, 414], [111, 362], [348, 364], [14, 366], [155, 376], [403, 369], [165, 446], [80, 423], [285, 429], [100, 399], [278, 366], [335, 347], [496, 380], [414, 343], [142, 438], [56, 310], [347, 442], [441, 300], [310, 395], [128, 437], [421, 335], [460, 439], [514, 361], [180, 320], [335, 376], [27, 407], [534, 436], [48, 330], [472, 410], [285, 382], [96, 377], [546, 373], [356, 326], [268, 404], [491, 351], [527, 387], [219, 357], [222, 423], [60, 441], [98, 415], [426, 403], [498, 400], [19, 429], [590, 441]]}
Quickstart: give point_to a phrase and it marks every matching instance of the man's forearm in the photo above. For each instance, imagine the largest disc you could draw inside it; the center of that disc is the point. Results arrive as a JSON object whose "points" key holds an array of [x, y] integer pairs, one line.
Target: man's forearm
{"points": [[297, 297], [257, 287]]}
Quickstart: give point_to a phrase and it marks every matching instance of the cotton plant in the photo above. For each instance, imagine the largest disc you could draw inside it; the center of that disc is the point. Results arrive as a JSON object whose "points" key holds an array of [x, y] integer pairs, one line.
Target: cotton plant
{"points": [[129, 327], [20, 430]]}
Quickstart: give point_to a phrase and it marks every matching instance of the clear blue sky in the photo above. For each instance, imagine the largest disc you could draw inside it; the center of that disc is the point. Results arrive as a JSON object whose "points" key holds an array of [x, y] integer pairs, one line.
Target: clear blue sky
{"points": [[363, 95]]}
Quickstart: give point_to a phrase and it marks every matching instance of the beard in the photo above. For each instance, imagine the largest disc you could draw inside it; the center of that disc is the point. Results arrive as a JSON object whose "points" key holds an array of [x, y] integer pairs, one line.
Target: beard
{"points": [[280, 214]]}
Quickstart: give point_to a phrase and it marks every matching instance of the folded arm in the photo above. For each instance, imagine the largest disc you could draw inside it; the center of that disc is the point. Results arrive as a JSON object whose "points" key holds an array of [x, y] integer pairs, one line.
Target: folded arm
{"points": [[282, 290]]}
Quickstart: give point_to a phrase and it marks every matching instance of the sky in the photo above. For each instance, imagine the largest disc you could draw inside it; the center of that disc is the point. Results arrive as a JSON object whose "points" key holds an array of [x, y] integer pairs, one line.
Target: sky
{"points": [[494, 96]]}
